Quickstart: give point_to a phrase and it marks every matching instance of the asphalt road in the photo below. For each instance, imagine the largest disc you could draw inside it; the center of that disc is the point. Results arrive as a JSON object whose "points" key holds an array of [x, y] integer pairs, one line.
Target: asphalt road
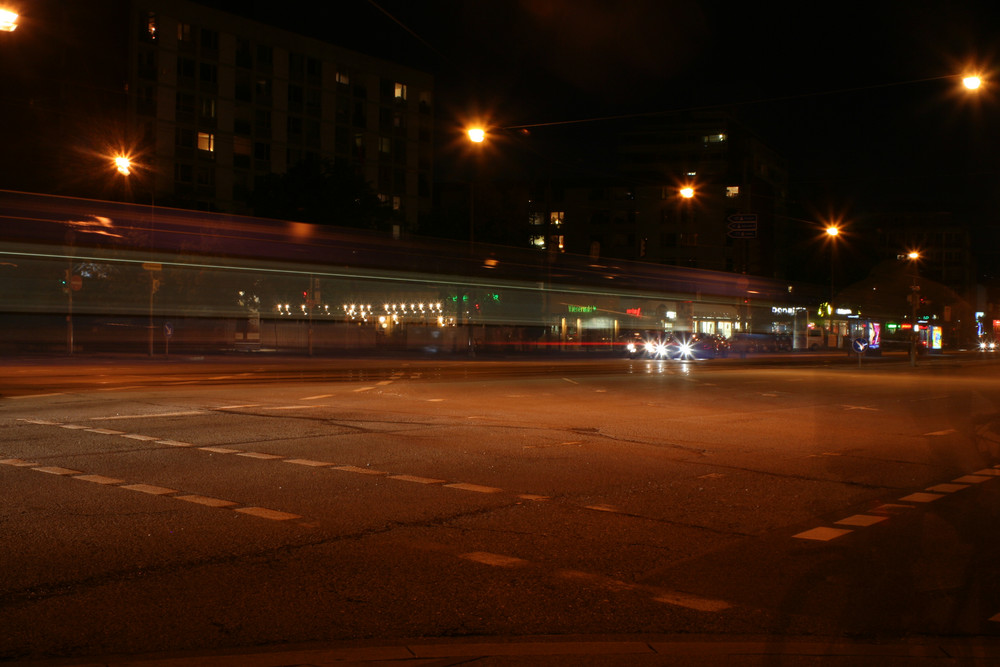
{"points": [[216, 504]]}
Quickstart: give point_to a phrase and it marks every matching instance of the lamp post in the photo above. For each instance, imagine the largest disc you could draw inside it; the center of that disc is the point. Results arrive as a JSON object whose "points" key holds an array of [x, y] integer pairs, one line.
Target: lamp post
{"points": [[123, 165], [913, 256], [477, 136], [832, 233], [8, 20]]}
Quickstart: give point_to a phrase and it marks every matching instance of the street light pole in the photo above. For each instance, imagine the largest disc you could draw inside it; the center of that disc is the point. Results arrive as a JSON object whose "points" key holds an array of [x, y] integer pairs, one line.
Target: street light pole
{"points": [[913, 256], [832, 232]]}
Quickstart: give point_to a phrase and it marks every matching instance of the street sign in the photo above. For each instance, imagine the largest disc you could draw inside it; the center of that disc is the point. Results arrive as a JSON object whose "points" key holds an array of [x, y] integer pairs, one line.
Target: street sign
{"points": [[743, 217], [742, 226], [742, 233], [860, 344]]}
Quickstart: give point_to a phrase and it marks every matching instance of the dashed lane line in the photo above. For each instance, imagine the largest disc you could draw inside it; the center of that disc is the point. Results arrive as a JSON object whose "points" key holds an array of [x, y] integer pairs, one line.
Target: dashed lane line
{"points": [[674, 598], [881, 513], [18, 398], [153, 490], [218, 449], [184, 413]]}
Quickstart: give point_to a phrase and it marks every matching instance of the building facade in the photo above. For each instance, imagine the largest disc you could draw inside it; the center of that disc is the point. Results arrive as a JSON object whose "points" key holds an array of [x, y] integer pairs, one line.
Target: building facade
{"points": [[206, 102]]}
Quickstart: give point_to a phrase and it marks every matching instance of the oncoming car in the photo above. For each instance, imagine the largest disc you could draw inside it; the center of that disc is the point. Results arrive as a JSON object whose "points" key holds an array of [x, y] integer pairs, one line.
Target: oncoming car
{"points": [[987, 344], [698, 346]]}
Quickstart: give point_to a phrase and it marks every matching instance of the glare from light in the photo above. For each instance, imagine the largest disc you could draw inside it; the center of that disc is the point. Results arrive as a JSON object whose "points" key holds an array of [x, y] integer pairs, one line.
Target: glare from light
{"points": [[123, 165], [477, 135], [972, 82], [8, 20], [687, 192], [832, 231], [913, 254]]}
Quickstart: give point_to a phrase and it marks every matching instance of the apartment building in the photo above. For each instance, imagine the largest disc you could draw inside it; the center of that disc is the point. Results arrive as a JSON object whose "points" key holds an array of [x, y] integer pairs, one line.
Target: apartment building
{"points": [[206, 103]]}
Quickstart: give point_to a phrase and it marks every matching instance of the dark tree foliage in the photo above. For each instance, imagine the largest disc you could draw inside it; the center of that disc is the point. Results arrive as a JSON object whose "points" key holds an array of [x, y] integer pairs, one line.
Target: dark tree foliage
{"points": [[320, 192]]}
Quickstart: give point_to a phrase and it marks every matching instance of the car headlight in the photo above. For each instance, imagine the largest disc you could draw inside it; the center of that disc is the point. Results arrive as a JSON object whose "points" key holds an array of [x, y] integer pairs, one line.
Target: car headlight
{"points": [[661, 350], [685, 349], [650, 347], [630, 347]]}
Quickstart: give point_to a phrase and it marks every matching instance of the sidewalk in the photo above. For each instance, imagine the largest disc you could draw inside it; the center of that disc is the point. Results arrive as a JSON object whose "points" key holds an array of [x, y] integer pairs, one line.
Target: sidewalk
{"points": [[638, 651]]}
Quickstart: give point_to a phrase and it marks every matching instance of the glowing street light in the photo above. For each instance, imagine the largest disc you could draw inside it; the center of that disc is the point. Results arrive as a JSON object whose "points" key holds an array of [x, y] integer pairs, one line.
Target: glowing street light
{"points": [[8, 20], [972, 82], [687, 192], [833, 231], [477, 135], [123, 165]]}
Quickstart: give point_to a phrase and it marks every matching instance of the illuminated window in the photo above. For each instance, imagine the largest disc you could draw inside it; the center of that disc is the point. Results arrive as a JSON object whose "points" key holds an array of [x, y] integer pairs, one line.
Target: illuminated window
{"points": [[536, 219], [400, 91], [343, 78], [151, 26], [556, 217], [384, 145], [733, 191], [537, 242], [184, 32], [714, 138], [206, 142], [396, 203]]}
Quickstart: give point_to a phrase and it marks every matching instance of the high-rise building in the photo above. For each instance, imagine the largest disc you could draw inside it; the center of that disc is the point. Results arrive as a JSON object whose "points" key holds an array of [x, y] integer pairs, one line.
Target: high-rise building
{"points": [[206, 103]]}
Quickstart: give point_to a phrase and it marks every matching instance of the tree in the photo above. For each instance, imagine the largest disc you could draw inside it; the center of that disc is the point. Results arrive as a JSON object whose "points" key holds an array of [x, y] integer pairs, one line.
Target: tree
{"points": [[320, 192]]}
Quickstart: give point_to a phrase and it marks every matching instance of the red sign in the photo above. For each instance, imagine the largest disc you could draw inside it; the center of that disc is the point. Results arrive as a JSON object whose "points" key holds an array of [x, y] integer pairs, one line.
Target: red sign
{"points": [[634, 312]]}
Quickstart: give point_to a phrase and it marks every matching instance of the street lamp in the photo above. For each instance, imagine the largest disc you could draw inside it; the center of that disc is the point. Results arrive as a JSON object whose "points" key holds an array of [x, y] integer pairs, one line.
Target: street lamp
{"points": [[832, 234], [913, 256], [8, 20], [123, 165], [972, 82]]}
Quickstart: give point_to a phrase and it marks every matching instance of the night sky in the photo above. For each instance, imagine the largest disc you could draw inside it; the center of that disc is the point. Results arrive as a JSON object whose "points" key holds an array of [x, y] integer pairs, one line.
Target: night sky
{"points": [[851, 93]]}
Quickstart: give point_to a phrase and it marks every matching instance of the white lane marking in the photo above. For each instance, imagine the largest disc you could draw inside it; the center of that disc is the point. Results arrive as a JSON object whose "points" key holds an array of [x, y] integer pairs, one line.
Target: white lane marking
{"points": [[221, 450], [572, 443], [105, 431], [674, 598], [185, 413], [360, 471], [174, 443], [99, 479], [434, 400], [473, 487], [237, 407], [822, 534], [258, 455], [418, 480], [363, 389], [861, 520], [18, 398], [307, 462], [988, 471], [139, 436], [529, 496], [265, 513], [947, 431], [19, 463], [603, 508], [316, 398], [571, 381], [40, 422], [289, 407], [383, 383], [947, 488], [208, 502], [860, 407], [134, 386], [73, 427], [496, 560], [54, 470], [921, 497], [150, 489]]}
